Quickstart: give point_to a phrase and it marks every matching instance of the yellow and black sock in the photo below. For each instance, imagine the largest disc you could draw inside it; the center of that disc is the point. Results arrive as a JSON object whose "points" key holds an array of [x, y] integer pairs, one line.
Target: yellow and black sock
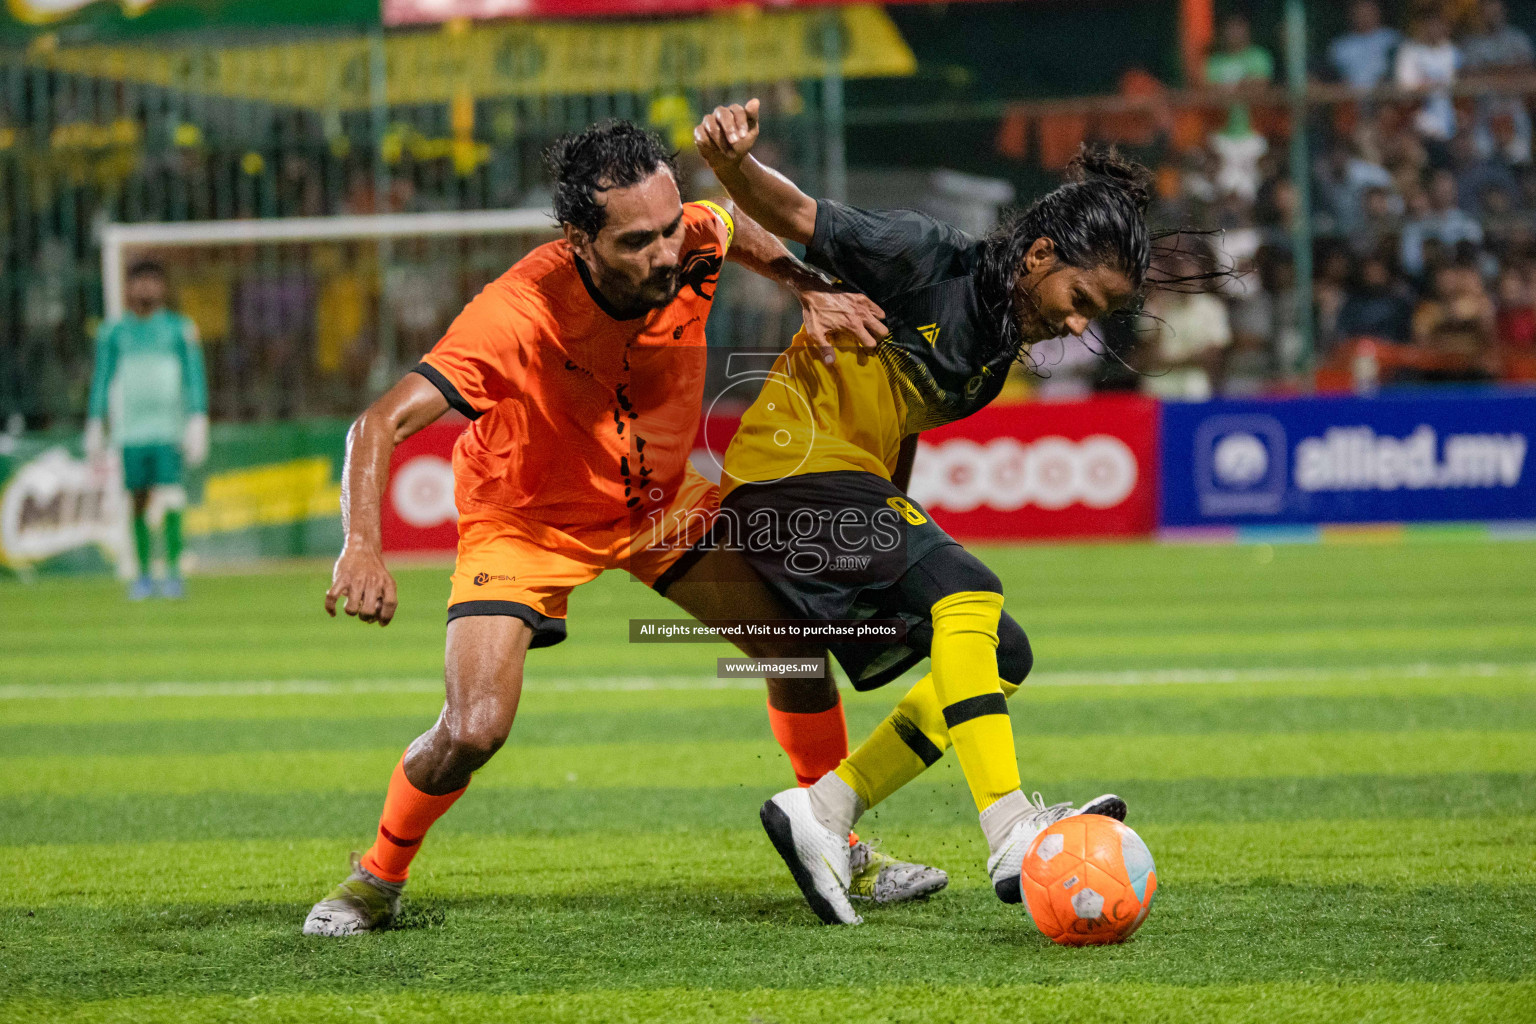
{"points": [[912, 738], [961, 702], [966, 682]]}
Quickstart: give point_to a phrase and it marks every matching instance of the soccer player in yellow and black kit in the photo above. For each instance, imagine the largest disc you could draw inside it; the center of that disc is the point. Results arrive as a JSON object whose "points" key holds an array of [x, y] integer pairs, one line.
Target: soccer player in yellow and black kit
{"points": [[822, 456]]}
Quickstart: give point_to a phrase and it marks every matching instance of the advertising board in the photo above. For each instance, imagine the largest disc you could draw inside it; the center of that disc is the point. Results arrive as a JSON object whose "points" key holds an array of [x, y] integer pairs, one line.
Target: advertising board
{"points": [[1043, 470], [1394, 458]]}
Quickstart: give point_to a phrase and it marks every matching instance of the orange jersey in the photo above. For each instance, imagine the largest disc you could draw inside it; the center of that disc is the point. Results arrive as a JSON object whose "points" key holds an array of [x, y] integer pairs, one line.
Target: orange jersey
{"points": [[578, 417]]}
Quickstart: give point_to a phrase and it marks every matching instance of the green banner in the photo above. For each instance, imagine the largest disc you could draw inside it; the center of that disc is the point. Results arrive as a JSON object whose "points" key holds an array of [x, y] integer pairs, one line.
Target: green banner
{"points": [[266, 491], [269, 491], [22, 21]]}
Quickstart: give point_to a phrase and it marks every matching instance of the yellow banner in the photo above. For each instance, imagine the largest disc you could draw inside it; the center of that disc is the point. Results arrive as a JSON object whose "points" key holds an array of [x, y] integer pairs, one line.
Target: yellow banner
{"points": [[515, 59], [272, 495], [46, 12]]}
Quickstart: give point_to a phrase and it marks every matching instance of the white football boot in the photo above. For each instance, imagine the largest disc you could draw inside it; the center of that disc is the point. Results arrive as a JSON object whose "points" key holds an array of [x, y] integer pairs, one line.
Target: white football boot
{"points": [[817, 857], [363, 902], [1005, 866], [881, 878]]}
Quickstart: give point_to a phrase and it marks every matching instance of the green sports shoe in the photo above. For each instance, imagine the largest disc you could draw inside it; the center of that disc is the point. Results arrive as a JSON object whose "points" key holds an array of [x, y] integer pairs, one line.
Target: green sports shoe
{"points": [[881, 878], [361, 903]]}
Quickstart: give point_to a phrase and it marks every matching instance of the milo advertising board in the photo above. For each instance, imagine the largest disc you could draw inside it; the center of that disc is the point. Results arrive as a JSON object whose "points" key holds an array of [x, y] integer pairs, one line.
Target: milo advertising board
{"points": [[266, 491]]}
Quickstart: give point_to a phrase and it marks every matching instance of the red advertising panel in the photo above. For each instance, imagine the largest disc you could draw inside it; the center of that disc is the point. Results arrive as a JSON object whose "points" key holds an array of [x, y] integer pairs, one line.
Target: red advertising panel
{"points": [[418, 514], [715, 433], [1010, 472], [1043, 470]]}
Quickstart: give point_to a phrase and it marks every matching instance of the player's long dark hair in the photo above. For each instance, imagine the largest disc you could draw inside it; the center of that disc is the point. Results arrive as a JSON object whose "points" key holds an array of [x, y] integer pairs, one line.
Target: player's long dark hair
{"points": [[1097, 218], [610, 154]]}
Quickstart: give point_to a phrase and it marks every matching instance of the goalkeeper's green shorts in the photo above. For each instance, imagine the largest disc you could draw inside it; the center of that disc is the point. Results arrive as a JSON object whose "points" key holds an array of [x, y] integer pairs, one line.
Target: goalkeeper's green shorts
{"points": [[150, 465]]}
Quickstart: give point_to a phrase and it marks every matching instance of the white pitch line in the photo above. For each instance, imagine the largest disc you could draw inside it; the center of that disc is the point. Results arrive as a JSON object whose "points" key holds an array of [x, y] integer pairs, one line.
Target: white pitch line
{"points": [[333, 687], [1364, 673], [614, 684]]}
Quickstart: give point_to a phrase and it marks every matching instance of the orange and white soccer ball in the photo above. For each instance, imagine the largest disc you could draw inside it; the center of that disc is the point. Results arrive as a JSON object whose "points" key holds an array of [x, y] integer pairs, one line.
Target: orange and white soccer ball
{"points": [[1088, 880]]}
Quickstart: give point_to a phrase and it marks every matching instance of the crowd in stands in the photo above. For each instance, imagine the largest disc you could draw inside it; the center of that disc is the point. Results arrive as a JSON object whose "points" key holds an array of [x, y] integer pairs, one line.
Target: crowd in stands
{"points": [[1421, 194], [1423, 209]]}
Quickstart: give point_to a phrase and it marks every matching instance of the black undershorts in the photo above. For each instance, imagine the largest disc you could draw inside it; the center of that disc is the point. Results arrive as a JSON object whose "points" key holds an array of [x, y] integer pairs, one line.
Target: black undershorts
{"points": [[833, 546]]}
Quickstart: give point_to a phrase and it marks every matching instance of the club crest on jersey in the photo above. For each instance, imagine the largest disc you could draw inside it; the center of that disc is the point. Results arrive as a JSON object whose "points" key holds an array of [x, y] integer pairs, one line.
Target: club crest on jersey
{"points": [[701, 268]]}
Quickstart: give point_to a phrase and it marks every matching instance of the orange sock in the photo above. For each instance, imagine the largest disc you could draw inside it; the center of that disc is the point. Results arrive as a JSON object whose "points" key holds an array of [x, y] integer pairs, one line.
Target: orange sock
{"points": [[408, 813], [816, 743]]}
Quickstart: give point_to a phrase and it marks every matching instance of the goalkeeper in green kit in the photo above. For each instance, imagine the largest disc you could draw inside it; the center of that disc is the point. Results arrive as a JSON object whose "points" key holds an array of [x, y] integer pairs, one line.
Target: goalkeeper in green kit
{"points": [[149, 381]]}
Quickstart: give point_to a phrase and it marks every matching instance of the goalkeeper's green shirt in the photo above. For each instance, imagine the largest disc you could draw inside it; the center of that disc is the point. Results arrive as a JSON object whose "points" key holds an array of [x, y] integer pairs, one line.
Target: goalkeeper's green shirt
{"points": [[149, 375]]}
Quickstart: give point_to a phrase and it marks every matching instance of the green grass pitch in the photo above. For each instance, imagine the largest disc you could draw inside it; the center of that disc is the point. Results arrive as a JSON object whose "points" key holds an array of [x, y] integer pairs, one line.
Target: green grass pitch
{"points": [[1331, 751]]}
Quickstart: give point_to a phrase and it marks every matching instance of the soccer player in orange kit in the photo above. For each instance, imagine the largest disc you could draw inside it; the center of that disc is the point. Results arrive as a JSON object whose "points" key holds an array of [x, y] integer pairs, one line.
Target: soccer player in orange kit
{"points": [[582, 371]]}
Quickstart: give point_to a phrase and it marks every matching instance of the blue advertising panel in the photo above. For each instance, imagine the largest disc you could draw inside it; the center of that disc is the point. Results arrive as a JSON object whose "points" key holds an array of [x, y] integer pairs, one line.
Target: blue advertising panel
{"points": [[1398, 458]]}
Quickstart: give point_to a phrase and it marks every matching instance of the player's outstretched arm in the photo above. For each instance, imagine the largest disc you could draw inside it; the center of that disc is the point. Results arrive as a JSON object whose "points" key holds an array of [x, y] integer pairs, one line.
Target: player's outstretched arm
{"points": [[827, 307], [725, 139], [360, 574]]}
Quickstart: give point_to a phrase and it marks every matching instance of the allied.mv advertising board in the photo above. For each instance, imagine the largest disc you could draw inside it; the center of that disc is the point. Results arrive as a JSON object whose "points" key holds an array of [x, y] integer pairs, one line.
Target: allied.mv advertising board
{"points": [[1426, 457]]}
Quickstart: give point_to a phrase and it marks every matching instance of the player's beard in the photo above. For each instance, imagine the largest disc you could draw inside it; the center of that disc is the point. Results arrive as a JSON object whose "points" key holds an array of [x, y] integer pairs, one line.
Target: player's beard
{"points": [[656, 290], [660, 288]]}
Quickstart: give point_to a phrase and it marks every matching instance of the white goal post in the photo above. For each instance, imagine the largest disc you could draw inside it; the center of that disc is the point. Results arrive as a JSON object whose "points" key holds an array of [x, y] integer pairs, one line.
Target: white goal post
{"points": [[118, 239]]}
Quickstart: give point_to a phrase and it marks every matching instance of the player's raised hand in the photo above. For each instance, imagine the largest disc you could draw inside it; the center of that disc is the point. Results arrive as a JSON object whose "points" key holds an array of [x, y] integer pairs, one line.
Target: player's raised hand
{"points": [[368, 586], [834, 311], [727, 134]]}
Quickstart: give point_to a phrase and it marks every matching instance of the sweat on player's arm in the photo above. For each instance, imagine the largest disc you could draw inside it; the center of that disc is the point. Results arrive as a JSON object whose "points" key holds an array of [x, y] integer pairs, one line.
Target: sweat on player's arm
{"points": [[360, 574]]}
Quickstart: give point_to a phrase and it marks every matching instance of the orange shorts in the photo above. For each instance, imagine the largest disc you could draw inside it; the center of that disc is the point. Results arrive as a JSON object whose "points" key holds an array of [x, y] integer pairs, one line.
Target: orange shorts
{"points": [[508, 565]]}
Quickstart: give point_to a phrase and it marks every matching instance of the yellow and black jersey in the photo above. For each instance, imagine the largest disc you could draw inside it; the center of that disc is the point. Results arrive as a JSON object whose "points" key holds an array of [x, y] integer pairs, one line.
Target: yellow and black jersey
{"points": [[942, 361]]}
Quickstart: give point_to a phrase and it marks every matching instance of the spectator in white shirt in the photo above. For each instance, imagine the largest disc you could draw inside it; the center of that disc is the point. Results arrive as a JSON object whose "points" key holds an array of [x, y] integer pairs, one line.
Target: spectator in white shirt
{"points": [[1430, 61], [1188, 335]]}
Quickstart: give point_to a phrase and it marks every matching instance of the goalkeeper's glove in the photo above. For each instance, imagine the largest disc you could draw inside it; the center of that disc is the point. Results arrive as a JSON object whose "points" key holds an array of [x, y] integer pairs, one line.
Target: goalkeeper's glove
{"points": [[95, 443], [194, 443]]}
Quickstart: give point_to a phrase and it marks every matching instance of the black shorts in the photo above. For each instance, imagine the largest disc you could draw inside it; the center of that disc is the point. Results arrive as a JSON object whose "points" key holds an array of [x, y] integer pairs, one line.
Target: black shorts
{"points": [[832, 546]]}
